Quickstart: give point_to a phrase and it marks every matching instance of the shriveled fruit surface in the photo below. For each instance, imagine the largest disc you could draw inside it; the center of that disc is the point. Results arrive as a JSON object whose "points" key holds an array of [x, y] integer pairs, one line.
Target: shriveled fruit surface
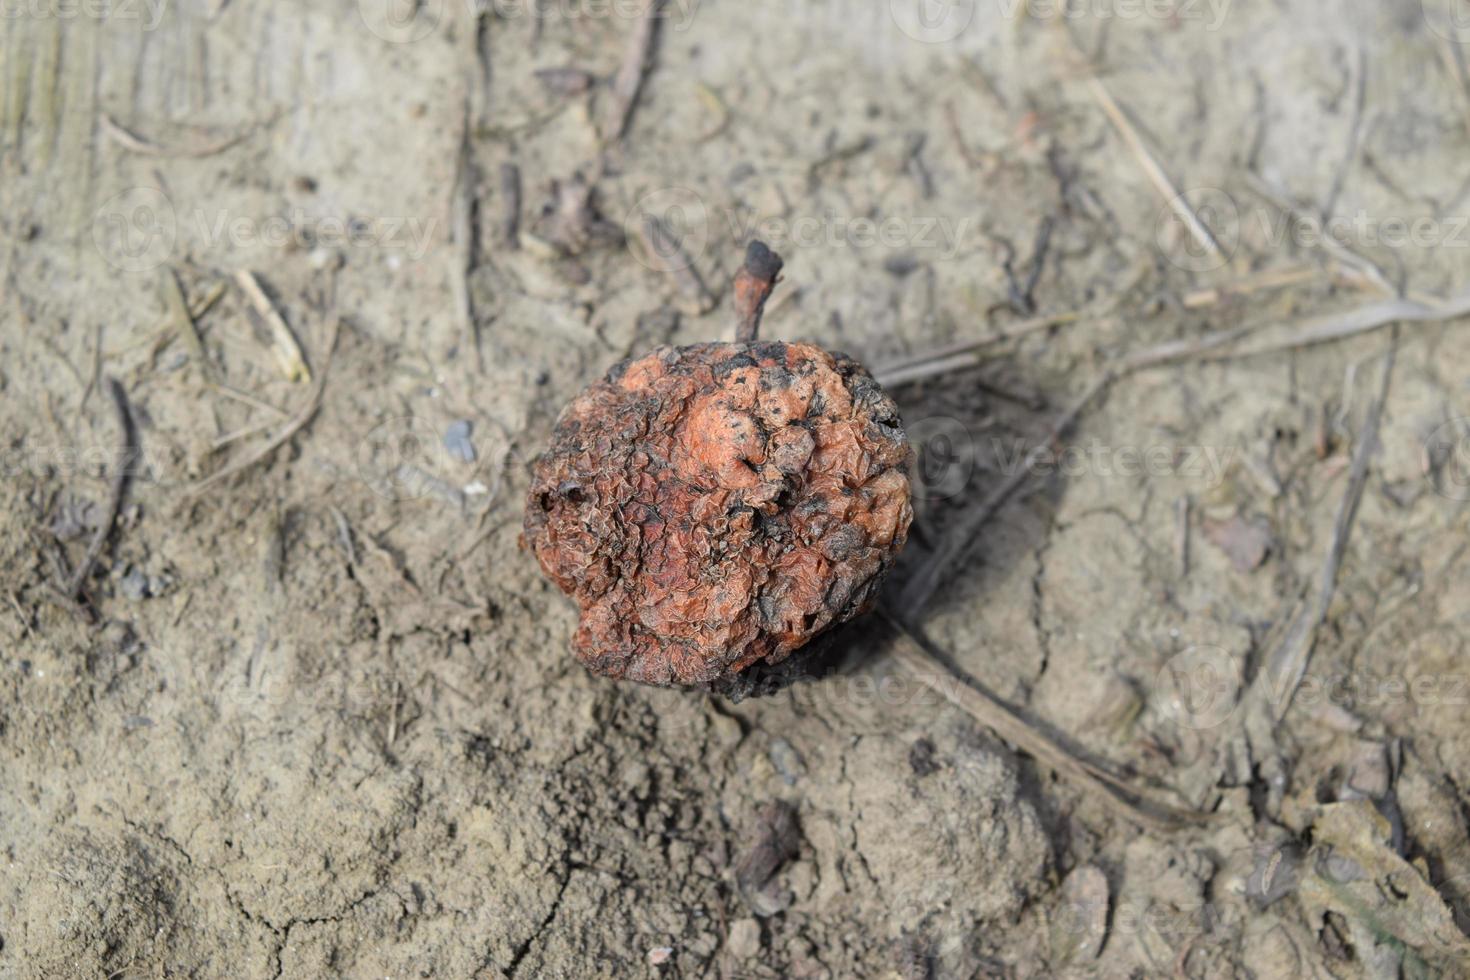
{"points": [[713, 506]]}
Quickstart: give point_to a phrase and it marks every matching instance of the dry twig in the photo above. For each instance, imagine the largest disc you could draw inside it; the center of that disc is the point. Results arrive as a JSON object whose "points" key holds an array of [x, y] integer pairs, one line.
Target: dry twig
{"points": [[959, 355], [1334, 326], [663, 252], [1154, 170], [629, 79], [283, 341], [1284, 669], [987, 708], [122, 473], [307, 413], [132, 142]]}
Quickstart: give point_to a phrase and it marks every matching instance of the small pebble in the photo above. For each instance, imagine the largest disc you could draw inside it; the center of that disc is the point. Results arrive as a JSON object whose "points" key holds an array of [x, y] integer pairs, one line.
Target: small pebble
{"points": [[786, 760], [138, 585], [660, 955], [744, 940], [457, 441]]}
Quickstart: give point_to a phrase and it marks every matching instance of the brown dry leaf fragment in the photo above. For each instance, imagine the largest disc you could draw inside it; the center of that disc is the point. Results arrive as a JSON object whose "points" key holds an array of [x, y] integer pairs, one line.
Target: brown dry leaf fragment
{"points": [[1245, 543], [718, 506], [777, 840]]}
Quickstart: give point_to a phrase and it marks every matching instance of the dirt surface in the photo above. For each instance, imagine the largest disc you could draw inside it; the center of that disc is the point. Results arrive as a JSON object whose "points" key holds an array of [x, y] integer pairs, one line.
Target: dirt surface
{"points": [[319, 717]]}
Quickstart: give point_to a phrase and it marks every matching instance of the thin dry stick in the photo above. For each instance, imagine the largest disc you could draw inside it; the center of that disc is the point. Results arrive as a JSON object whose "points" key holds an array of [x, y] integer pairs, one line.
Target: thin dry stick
{"points": [[1353, 262], [183, 320], [903, 368], [96, 375], [122, 472], [25, 622], [1181, 535], [893, 377], [957, 540], [1453, 55], [1153, 170], [662, 250], [1358, 320], [238, 434], [1267, 279], [287, 431], [161, 337], [629, 79], [283, 341], [129, 140], [1318, 330], [509, 229], [1287, 665], [988, 709], [245, 398], [462, 217]]}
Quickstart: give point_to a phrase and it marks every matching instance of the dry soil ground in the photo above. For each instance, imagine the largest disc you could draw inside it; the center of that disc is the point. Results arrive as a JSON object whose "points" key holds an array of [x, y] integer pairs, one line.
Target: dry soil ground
{"points": [[325, 722]]}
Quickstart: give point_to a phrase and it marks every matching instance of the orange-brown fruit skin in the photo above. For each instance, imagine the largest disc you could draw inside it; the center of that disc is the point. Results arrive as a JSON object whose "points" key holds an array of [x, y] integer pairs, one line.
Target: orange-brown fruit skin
{"points": [[713, 506]]}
